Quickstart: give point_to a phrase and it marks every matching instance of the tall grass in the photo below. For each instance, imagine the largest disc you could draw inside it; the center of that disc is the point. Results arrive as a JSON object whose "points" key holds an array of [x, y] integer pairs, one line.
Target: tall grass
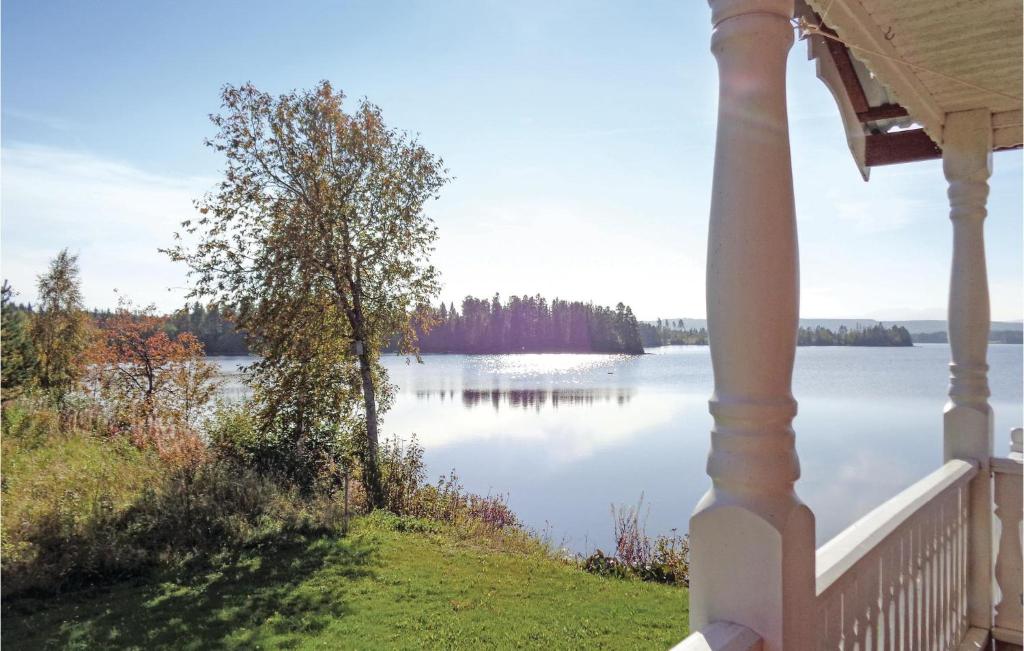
{"points": [[85, 503], [81, 506]]}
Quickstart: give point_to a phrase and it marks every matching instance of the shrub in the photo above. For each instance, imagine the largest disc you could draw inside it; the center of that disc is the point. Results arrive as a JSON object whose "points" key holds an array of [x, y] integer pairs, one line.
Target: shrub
{"points": [[448, 501], [232, 433], [145, 375], [236, 432], [402, 475], [221, 505], [29, 422], [665, 560], [598, 563], [671, 561]]}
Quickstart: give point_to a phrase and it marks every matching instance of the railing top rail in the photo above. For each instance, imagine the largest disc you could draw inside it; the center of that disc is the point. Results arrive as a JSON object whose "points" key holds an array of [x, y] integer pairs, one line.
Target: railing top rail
{"points": [[1006, 465], [838, 555], [721, 636]]}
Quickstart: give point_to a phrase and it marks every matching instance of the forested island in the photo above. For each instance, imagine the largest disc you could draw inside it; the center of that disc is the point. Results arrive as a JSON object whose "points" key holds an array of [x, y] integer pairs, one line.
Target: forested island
{"points": [[529, 324]]}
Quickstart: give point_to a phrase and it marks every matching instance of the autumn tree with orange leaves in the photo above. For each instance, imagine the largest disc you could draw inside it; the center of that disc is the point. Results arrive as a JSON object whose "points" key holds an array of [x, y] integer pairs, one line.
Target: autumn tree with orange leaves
{"points": [[145, 375]]}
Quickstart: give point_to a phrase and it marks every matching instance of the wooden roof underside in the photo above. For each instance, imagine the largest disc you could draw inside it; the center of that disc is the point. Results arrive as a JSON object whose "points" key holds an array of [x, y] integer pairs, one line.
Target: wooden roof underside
{"points": [[912, 61]]}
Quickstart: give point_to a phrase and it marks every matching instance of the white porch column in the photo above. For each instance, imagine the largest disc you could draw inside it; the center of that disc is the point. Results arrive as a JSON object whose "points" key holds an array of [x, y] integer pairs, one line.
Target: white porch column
{"points": [[967, 163], [752, 539]]}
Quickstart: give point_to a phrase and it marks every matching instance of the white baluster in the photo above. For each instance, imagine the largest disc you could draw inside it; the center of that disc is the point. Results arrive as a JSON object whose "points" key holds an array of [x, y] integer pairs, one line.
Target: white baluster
{"points": [[967, 163], [752, 539], [1009, 497]]}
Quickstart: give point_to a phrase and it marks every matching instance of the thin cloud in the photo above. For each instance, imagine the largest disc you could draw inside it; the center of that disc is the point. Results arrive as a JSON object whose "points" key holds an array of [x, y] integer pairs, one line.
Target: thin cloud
{"points": [[870, 216], [48, 121], [114, 215]]}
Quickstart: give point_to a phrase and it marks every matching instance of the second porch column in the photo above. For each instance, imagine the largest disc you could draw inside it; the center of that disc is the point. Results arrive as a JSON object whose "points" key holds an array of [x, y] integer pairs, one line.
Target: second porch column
{"points": [[752, 539], [968, 422]]}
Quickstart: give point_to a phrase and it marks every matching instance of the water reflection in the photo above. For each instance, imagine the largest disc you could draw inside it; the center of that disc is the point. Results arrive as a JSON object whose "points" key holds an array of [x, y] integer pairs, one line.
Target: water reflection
{"points": [[529, 398]]}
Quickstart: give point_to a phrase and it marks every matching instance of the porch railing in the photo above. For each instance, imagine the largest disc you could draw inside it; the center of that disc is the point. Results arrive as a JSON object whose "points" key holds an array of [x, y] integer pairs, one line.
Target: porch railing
{"points": [[897, 578], [1008, 489]]}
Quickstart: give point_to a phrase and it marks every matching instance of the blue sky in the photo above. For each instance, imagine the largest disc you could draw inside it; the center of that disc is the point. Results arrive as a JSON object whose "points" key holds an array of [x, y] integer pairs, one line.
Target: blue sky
{"points": [[580, 135]]}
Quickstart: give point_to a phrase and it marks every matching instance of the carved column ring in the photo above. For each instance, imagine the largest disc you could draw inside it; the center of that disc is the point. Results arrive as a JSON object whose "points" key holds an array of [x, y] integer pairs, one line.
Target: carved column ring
{"points": [[967, 199], [766, 410], [722, 10]]}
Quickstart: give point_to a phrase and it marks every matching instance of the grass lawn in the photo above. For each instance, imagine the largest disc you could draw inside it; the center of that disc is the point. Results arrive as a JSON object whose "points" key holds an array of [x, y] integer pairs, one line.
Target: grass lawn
{"points": [[376, 588]]}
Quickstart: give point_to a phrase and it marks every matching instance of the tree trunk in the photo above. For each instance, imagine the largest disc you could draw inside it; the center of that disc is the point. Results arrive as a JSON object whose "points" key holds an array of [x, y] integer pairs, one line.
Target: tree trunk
{"points": [[371, 470]]}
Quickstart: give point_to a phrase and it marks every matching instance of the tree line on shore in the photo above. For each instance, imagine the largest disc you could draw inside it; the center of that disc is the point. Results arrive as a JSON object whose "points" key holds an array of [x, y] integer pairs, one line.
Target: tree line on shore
{"points": [[994, 337], [674, 333], [876, 335], [523, 324], [215, 333], [529, 324]]}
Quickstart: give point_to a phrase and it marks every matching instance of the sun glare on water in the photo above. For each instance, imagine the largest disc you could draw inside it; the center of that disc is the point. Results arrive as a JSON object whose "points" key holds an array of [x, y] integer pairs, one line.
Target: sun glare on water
{"points": [[540, 364]]}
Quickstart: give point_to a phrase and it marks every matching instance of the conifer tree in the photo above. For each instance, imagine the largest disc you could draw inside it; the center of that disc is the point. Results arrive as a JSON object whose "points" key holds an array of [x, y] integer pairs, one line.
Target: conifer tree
{"points": [[18, 363]]}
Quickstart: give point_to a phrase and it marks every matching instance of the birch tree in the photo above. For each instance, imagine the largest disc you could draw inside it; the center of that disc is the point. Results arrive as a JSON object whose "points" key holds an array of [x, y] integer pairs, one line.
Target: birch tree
{"points": [[325, 207], [60, 329]]}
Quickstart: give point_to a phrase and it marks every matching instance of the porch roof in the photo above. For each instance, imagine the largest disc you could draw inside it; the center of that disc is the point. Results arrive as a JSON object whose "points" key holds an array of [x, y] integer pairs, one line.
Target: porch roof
{"points": [[897, 67]]}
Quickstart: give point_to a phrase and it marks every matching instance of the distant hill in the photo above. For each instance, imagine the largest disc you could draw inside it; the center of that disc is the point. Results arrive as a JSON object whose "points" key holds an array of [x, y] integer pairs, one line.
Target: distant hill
{"points": [[914, 327]]}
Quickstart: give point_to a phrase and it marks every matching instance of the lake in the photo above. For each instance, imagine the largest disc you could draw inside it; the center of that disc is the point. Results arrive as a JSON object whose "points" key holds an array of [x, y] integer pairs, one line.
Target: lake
{"points": [[564, 436]]}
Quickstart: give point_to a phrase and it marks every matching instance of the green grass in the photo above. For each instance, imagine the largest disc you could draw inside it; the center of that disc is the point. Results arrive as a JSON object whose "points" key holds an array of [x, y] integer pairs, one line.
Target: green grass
{"points": [[375, 588], [265, 581]]}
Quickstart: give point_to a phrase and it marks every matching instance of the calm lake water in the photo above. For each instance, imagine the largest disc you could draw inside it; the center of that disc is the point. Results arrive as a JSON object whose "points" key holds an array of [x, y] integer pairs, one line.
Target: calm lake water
{"points": [[564, 436]]}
